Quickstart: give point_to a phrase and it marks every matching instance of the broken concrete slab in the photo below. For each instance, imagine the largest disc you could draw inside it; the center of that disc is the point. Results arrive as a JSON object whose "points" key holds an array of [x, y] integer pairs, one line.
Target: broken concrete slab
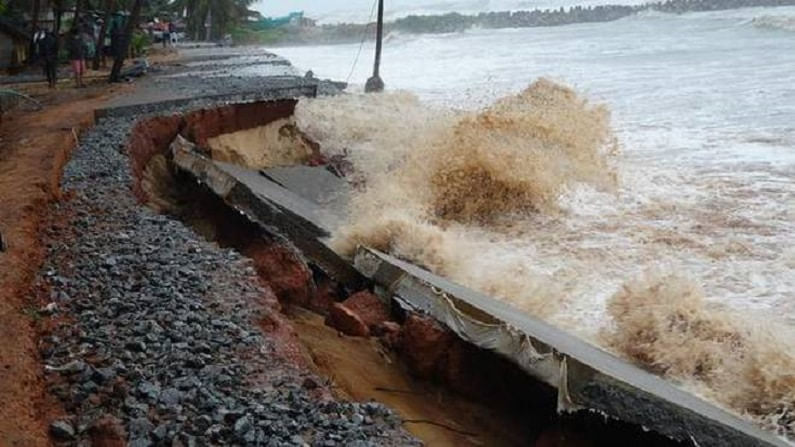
{"points": [[295, 204], [277, 210], [318, 185], [587, 378]]}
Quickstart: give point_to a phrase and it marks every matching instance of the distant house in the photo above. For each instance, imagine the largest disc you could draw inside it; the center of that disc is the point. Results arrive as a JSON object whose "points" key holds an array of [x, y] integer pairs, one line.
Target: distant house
{"points": [[14, 43]]}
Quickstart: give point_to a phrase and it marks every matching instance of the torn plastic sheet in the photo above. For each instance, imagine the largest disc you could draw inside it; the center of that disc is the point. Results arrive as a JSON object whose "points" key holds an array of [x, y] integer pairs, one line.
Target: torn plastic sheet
{"points": [[485, 332], [586, 377]]}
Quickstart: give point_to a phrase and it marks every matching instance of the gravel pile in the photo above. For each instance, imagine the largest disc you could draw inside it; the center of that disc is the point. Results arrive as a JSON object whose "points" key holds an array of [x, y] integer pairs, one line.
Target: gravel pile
{"points": [[156, 341]]}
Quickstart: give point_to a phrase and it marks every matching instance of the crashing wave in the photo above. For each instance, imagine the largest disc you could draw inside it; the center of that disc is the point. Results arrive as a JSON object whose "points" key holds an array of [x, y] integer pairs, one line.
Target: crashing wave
{"points": [[780, 23], [663, 323], [459, 193]]}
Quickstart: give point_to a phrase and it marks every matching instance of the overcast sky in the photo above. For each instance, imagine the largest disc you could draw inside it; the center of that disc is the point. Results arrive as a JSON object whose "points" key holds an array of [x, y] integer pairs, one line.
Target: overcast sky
{"points": [[278, 7]]}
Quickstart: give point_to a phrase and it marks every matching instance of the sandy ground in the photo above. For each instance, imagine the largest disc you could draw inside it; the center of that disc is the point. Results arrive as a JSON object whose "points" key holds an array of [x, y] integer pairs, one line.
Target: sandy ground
{"points": [[34, 146], [364, 370]]}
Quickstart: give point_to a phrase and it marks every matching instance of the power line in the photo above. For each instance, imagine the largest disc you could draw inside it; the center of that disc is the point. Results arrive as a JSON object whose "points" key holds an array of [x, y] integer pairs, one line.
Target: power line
{"points": [[361, 44]]}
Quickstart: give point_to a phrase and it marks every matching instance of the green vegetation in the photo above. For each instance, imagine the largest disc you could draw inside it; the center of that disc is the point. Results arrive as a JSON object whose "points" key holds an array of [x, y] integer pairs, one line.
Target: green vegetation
{"points": [[245, 35], [447, 23], [223, 15], [140, 41]]}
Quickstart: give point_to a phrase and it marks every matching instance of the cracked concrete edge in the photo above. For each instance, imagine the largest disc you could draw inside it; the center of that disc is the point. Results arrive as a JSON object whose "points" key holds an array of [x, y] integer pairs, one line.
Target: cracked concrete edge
{"points": [[591, 379], [276, 210], [147, 108]]}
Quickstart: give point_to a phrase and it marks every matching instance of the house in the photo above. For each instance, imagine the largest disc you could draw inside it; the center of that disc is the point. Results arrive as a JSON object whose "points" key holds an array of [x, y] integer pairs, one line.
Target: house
{"points": [[14, 45]]}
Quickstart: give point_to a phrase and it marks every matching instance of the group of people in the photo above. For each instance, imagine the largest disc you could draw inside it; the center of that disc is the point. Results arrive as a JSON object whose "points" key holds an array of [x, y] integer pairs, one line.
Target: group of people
{"points": [[169, 34], [80, 44], [79, 47]]}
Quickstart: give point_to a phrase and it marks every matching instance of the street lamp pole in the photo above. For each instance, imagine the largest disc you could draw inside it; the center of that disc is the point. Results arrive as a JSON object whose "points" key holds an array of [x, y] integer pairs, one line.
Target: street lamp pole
{"points": [[375, 83]]}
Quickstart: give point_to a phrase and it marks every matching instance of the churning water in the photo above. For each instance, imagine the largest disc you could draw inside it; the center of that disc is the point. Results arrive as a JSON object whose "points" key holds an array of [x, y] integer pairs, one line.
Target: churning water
{"points": [[656, 218]]}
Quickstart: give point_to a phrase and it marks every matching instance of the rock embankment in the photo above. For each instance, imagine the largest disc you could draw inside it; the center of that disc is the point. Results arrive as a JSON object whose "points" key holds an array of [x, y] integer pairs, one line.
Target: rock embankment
{"points": [[154, 337]]}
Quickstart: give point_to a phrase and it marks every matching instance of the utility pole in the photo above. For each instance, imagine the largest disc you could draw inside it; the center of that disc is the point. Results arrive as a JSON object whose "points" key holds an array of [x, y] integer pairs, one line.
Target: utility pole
{"points": [[375, 83]]}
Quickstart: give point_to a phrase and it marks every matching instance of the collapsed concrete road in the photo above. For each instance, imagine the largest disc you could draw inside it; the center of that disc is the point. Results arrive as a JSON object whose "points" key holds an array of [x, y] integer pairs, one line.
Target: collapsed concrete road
{"points": [[165, 341], [586, 378], [154, 336], [164, 349], [292, 203]]}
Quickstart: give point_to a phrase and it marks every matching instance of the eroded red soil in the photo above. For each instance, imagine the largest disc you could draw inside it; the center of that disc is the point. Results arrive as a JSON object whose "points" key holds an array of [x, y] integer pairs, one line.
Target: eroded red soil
{"points": [[34, 146]]}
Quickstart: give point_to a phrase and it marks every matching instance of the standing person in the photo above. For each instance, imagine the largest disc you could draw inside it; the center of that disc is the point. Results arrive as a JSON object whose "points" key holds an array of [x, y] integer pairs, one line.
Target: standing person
{"points": [[48, 51], [166, 34], [38, 35], [88, 44], [172, 31], [77, 56]]}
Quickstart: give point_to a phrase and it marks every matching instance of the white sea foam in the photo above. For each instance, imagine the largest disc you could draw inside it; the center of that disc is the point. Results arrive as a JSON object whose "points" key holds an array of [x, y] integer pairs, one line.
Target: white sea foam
{"points": [[781, 23], [703, 107]]}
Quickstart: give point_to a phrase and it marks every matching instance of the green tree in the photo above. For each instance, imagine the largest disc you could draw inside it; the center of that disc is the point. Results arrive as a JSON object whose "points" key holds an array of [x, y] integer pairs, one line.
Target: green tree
{"points": [[223, 15], [131, 25], [99, 55], [158, 9]]}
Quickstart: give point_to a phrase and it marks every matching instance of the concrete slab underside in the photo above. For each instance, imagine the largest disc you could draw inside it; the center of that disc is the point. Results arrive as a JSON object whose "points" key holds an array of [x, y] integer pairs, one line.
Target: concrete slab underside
{"points": [[295, 202]]}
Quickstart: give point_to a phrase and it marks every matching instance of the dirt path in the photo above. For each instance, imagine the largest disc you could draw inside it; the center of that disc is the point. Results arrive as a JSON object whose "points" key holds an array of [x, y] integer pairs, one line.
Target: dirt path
{"points": [[33, 149]]}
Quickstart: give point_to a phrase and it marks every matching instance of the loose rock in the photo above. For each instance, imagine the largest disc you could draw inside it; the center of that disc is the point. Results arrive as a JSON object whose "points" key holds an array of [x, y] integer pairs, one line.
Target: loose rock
{"points": [[160, 325], [347, 321], [62, 430], [108, 432]]}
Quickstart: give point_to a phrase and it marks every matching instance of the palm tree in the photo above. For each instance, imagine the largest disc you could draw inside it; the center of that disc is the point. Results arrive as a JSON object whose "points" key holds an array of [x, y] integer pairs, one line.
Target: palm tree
{"points": [[103, 29], [132, 23], [78, 11], [225, 14]]}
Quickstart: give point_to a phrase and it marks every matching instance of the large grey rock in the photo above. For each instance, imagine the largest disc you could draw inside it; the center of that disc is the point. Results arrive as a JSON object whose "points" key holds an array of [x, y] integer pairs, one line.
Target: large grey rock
{"points": [[140, 428], [62, 430]]}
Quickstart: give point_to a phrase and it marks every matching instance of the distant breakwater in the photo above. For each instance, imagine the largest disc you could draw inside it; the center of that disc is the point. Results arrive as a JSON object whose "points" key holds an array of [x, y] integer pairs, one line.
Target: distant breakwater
{"points": [[455, 22]]}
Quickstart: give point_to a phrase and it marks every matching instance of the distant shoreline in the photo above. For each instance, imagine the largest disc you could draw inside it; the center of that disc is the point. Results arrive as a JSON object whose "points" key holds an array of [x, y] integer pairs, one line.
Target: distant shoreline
{"points": [[343, 33]]}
